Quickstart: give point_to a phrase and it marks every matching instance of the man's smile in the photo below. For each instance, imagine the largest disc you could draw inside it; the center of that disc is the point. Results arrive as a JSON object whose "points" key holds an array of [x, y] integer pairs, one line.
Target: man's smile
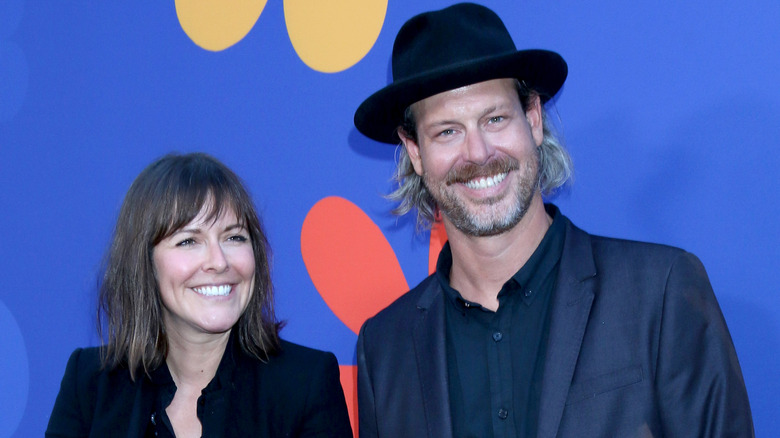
{"points": [[485, 182]]}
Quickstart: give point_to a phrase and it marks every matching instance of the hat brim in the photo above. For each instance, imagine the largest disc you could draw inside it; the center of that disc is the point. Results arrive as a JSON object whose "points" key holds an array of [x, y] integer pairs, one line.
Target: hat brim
{"points": [[379, 116]]}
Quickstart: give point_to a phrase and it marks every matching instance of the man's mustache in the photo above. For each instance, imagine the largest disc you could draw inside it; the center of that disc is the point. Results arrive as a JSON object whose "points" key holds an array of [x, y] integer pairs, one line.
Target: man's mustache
{"points": [[471, 171]]}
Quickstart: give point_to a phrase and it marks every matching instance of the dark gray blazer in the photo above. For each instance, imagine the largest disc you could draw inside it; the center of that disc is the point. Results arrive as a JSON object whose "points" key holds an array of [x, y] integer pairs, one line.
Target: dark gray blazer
{"points": [[638, 347]]}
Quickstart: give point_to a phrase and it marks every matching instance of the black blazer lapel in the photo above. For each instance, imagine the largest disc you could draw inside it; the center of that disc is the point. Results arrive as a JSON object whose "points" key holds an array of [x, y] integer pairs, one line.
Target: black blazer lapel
{"points": [[430, 351], [572, 301], [140, 411]]}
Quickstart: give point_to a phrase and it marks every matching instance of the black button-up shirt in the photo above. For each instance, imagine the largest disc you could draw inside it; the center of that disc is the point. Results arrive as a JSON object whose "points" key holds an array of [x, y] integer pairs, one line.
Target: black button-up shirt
{"points": [[495, 360]]}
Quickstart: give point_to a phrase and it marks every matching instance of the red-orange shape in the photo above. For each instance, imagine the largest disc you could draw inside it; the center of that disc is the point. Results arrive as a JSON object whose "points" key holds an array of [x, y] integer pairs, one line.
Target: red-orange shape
{"points": [[350, 262], [438, 239], [349, 384]]}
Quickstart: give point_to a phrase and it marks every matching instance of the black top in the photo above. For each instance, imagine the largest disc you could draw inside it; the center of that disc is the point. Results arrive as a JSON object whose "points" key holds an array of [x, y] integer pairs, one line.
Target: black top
{"points": [[212, 395], [296, 393], [495, 359]]}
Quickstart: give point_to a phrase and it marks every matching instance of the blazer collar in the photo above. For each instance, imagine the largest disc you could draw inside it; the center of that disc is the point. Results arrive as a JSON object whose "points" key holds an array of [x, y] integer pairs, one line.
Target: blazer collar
{"points": [[570, 310]]}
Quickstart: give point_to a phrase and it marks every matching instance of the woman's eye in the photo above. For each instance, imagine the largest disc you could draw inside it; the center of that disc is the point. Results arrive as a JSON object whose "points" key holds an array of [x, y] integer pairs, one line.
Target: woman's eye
{"points": [[238, 238], [186, 242]]}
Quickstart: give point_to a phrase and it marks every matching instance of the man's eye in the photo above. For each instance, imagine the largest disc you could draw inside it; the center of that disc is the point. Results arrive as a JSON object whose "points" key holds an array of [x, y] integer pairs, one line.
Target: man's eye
{"points": [[447, 132], [496, 119], [186, 242]]}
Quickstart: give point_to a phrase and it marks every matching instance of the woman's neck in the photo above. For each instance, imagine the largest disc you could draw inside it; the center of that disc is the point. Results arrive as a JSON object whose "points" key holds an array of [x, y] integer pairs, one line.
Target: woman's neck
{"points": [[194, 362]]}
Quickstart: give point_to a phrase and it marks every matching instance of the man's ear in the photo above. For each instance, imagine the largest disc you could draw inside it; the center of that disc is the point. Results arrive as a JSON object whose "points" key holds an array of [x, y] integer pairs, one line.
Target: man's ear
{"points": [[533, 114], [413, 150]]}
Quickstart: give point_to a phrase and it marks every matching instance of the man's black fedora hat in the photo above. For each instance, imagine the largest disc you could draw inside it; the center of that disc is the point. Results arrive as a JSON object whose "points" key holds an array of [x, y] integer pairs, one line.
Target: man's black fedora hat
{"points": [[450, 48]]}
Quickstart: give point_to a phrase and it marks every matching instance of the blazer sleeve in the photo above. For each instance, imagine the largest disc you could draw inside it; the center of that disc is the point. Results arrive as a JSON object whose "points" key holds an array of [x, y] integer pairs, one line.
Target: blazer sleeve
{"points": [[701, 392], [69, 418], [326, 413], [366, 406]]}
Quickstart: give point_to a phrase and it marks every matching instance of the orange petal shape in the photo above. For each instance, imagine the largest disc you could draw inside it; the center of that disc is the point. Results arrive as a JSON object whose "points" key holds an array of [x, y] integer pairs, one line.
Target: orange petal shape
{"points": [[333, 35], [218, 24], [348, 376], [349, 261], [438, 239]]}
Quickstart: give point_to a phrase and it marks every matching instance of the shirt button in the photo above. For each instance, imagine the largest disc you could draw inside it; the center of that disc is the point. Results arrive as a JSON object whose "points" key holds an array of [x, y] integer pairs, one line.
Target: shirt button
{"points": [[503, 413], [527, 293], [497, 336]]}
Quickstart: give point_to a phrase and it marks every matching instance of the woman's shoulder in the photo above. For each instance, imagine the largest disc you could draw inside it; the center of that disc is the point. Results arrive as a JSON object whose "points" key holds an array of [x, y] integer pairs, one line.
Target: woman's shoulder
{"points": [[86, 369], [293, 359], [86, 388], [84, 362], [299, 351], [301, 384], [292, 354]]}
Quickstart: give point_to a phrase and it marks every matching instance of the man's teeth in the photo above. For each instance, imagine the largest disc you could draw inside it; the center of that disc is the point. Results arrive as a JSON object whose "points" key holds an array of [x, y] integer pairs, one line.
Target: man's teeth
{"points": [[213, 291], [484, 183]]}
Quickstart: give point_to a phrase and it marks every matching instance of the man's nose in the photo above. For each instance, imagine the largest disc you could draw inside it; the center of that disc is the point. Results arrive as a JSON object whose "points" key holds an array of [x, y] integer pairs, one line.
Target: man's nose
{"points": [[478, 148]]}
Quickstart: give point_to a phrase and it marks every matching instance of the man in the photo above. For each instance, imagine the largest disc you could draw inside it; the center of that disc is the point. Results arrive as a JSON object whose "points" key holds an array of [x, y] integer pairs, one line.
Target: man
{"points": [[530, 326]]}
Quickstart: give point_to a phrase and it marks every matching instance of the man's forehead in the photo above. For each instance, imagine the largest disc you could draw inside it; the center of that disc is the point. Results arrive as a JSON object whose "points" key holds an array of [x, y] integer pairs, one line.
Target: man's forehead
{"points": [[495, 89]]}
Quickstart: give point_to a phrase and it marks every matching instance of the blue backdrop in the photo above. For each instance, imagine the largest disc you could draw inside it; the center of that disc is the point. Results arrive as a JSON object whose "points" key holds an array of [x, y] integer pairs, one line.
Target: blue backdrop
{"points": [[671, 112]]}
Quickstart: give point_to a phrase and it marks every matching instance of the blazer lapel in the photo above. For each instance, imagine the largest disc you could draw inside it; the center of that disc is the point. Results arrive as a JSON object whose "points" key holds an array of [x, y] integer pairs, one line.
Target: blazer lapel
{"points": [[429, 343], [572, 301], [140, 413]]}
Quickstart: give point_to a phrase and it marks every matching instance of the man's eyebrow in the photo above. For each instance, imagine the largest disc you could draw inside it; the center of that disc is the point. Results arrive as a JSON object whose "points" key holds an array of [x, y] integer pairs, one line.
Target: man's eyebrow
{"points": [[488, 110], [443, 123], [484, 113]]}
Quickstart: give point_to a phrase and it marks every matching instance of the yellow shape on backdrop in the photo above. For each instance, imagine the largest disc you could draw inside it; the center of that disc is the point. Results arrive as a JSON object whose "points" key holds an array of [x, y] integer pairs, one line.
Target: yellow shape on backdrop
{"points": [[218, 24], [333, 35]]}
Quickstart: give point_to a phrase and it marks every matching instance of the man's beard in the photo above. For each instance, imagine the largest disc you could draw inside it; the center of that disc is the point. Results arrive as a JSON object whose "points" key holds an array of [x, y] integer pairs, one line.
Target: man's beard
{"points": [[488, 217]]}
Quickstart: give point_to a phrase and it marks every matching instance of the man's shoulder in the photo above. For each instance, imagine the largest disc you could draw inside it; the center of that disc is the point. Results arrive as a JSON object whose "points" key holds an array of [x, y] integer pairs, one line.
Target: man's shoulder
{"points": [[614, 258], [634, 250], [405, 308], [617, 248], [637, 262], [605, 243], [410, 301]]}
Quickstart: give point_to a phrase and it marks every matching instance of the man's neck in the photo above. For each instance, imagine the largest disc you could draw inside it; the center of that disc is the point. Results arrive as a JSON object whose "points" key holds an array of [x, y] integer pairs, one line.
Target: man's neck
{"points": [[481, 265]]}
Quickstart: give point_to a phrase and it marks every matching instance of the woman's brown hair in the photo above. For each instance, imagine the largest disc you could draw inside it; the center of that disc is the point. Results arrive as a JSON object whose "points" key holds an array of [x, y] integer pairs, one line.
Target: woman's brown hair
{"points": [[166, 196]]}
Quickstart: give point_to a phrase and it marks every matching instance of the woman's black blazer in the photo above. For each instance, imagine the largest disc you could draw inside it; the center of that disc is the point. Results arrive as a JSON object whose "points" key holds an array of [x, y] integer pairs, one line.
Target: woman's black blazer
{"points": [[296, 393]]}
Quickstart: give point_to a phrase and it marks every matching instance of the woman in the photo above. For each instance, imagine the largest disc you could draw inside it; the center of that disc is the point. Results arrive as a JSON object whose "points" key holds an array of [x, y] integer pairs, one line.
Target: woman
{"points": [[186, 308]]}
